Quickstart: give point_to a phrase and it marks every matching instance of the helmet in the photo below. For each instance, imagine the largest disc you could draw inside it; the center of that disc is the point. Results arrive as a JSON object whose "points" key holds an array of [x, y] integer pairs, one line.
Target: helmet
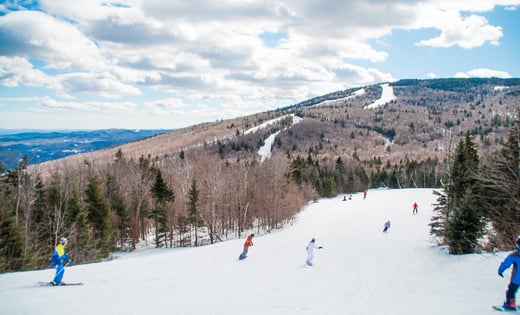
{"points": [[63, 240], [313, 240]]}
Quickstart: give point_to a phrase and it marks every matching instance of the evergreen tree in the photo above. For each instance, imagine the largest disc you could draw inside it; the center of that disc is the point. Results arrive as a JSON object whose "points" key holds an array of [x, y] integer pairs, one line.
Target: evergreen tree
{"points": [[162, 195], [82, 245], [194, 218], [297, 170], [123, 219], [439, 217], [466, 225], [464, 214], [340, 169], [11, 237], [99, 215]]}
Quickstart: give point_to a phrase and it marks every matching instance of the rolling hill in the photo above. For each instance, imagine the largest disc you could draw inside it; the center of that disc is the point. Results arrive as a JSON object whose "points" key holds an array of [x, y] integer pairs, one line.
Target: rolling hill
{"points": [[421, 119]]}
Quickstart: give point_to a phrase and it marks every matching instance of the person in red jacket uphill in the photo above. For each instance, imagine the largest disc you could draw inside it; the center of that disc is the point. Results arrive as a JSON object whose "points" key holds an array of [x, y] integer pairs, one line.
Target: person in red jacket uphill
{"points": [[247, 243], [59, 260], [512, 259], [415, 208]]}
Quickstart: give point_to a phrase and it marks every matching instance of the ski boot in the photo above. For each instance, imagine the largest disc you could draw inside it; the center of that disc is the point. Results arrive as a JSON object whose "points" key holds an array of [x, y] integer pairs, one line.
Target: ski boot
{"points": [[510, 305]]}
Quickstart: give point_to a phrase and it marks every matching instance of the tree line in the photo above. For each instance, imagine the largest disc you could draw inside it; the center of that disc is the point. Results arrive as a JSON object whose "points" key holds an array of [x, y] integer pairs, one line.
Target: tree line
{"points": [[188, 200]]}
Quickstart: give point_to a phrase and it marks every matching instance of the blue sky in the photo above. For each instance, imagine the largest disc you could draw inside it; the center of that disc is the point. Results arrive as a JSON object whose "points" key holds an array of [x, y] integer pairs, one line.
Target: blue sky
{"points": [[150, 64]]}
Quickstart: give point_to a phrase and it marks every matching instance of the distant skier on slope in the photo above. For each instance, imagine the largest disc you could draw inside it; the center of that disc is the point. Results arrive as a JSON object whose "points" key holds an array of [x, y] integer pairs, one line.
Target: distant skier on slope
{"points": [[387, 226], [415, 208], [310, 248], [247, 243], [511, 259], [364, 195], [59, 260]]}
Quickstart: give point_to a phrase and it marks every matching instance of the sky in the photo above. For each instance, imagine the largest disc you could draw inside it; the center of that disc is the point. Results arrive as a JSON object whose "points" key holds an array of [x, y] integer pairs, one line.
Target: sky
{"points": [[360, 270], [150, 64]]}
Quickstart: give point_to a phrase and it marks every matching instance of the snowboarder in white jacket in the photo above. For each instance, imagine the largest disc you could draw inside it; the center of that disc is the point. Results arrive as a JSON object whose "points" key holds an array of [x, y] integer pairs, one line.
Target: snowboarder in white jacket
{"points": [[310, 249]]}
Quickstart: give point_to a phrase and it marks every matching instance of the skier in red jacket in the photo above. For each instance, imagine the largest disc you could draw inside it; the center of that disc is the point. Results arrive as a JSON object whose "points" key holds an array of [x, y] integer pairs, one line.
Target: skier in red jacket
{"points": [[415, 208], [247, 243]]}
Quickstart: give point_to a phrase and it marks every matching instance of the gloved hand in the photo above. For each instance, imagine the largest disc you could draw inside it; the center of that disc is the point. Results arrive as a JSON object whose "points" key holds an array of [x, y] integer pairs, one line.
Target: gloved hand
{"points": [[500, 274], [320, 247], [70, 260]]}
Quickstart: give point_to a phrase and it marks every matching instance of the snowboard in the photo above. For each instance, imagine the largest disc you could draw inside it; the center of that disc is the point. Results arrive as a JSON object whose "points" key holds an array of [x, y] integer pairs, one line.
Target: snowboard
{"points": [[500, 308], [49, 284]]}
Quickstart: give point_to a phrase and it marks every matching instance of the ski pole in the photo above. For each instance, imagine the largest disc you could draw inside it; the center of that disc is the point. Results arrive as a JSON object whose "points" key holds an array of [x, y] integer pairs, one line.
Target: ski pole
{"points": [[61, 270]]}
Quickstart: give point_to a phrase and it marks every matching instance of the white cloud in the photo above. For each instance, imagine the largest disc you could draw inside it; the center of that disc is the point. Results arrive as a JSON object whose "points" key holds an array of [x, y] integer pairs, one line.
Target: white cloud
{"points": [[167, 106], [33, 34], [49, 103], [483, 73], [101, 84], [211, 55], [466, 32], [18, 71]]}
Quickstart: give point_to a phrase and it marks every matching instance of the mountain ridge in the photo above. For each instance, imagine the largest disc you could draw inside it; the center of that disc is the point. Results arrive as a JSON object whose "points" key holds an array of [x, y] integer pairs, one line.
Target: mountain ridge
{"points": [[425, 120]]}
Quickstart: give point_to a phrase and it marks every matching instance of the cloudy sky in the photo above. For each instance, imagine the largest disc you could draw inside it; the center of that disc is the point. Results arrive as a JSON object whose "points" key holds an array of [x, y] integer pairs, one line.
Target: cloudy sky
{"points": [[152, 64]]}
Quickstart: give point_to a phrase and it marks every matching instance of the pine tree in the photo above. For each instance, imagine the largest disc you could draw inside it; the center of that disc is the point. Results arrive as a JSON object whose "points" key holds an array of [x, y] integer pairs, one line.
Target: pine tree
{"points": [[194, 218], [439, 217], [162, 195], [11, 237], [82, 243], [464, 218], [340, 169], [99, 215], [123, 219], [466, 225]]}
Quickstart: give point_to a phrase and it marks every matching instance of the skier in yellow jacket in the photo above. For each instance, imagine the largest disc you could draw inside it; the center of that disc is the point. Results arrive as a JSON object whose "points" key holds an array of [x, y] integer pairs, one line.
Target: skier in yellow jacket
{"points": [[59, 260]]}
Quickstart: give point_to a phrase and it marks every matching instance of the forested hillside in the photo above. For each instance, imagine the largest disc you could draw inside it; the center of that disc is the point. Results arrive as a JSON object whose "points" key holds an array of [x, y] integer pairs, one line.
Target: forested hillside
{"points": [[206, 183]]}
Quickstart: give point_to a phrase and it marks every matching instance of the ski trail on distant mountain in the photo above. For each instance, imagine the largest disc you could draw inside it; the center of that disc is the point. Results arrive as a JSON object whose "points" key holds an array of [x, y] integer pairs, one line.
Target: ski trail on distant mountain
{"points": [[386, 96]]}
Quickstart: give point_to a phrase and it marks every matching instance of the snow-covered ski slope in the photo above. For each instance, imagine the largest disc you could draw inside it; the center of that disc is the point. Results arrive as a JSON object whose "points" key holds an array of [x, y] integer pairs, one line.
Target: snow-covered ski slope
{"points": [[359, 271], [387, 95]]}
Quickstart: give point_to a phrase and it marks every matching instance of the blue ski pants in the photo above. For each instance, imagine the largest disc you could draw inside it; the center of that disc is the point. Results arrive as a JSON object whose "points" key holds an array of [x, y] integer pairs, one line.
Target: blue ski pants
{"points": [[60, 270]]}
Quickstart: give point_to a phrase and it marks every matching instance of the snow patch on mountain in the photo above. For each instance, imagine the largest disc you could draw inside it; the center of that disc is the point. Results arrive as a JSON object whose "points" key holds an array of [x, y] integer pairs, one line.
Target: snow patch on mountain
{"points": [[386, 96]]}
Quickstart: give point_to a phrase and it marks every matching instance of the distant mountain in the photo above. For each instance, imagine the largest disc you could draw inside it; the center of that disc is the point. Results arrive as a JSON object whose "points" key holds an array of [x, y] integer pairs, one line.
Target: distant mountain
{"points": [[381, 127], [41, 146]]}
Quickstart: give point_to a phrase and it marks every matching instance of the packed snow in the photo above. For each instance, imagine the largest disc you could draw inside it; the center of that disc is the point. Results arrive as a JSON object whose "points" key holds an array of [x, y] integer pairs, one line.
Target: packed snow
{"points": [[387, 95], [328, 102], [271, 122], [360, 270], [266, 149]]}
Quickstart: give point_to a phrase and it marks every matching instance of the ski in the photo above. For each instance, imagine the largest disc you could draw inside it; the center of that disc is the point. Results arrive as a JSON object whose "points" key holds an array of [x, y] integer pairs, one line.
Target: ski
{"points": [[500, 308], [50, 284]]}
